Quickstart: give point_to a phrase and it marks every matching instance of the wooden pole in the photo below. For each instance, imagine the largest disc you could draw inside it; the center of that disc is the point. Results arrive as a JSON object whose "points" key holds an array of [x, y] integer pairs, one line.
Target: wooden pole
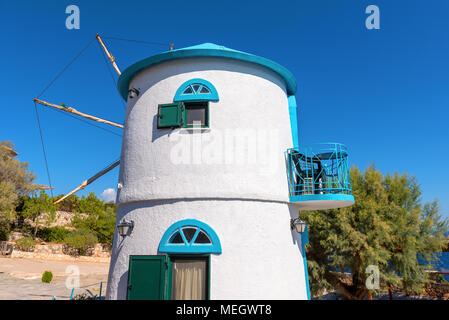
{"points": [[89, 181], [11, 151], [111, 58], [74, 111]]}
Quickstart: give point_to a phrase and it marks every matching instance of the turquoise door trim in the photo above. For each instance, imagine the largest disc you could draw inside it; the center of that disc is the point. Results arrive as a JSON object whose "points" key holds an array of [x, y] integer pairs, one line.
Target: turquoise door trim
{"points": [[190, 247], [304, 241], [293, 111]]}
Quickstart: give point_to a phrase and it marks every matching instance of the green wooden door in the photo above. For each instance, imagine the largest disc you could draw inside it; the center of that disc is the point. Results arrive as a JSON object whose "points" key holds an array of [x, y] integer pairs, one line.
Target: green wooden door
{"points": [[146, 278]]}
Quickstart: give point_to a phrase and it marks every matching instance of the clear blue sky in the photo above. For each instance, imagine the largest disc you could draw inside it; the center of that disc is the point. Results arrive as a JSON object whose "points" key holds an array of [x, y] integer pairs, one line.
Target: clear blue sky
{"points": [[384, 93]]}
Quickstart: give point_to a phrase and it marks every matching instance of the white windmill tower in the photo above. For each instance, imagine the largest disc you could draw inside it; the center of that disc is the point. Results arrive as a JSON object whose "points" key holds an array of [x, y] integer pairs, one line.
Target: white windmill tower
{"points": [[212, 177], [204, 180]]}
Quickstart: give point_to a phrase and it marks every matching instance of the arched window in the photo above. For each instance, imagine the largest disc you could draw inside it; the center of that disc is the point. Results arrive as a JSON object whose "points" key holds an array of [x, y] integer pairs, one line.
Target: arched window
{"points": [[196, 90], [190, 236]]}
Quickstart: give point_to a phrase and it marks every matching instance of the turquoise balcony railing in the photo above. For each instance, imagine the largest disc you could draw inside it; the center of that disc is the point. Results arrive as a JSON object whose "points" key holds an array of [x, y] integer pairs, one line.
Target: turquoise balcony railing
{"points": [[319, 172]]}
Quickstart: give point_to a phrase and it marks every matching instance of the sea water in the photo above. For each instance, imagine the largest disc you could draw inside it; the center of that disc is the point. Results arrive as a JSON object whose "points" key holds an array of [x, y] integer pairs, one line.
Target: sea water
{"points": [[442, 264]]}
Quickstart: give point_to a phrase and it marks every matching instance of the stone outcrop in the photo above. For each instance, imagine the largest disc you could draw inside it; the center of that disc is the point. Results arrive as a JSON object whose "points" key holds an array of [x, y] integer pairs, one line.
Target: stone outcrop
{"points": [[61, 219]]}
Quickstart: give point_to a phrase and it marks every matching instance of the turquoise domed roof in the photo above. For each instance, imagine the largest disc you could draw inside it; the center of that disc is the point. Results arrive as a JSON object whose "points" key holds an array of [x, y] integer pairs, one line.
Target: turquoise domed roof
{"points": [[204, 50]]}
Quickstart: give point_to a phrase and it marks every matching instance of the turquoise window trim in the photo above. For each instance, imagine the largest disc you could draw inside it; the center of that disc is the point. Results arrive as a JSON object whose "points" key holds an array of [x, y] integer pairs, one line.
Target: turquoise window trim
{"points": [[293, 111], [304, 241], [196, 96], [183, 237], [195, 235], [214, 247], [189, 106]]}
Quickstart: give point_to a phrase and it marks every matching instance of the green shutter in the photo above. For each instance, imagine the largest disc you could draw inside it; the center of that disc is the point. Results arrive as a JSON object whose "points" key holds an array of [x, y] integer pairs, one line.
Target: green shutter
{"points": [[170, 115], [146, 278]]}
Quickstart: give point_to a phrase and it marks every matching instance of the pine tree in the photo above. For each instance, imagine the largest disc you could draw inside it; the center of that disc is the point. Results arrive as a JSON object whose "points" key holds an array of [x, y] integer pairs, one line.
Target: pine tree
{"points": [[387, 227], [38, 207], [15, 182]]}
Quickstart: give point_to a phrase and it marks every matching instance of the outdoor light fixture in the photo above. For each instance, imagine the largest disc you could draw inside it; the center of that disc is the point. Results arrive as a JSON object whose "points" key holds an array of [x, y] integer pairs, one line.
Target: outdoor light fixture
{"points": [[298, 224], [125, 227], [132, 93]]}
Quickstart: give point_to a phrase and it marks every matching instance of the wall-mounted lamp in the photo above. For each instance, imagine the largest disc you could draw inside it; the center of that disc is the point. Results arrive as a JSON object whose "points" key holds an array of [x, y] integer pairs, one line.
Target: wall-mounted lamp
{"points": [[133, 92], [298, 224], [125, 227]]}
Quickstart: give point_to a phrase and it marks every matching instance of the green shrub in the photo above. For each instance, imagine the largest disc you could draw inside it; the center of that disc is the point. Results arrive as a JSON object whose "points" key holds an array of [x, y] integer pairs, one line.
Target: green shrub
{"points": [[25, 244], [100, 218], [440, 279], [4, 230], [69, 204], [85, 296], [47, 276], [53, 234], [81, 240]]}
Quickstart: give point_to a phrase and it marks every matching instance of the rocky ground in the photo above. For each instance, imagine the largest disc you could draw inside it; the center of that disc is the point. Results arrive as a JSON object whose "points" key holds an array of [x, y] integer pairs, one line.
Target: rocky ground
{"points": [[384, 296], [20, 279]]}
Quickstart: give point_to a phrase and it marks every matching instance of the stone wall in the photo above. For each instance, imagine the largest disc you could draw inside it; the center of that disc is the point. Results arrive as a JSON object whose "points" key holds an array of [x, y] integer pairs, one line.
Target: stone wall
{"points": [[438, 290], [58, 252]]}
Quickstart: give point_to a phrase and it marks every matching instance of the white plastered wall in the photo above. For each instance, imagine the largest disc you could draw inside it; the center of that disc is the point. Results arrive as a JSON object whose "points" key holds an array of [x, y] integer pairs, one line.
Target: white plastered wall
{"points": [[243, 199], [261, 257], [253, 106]]}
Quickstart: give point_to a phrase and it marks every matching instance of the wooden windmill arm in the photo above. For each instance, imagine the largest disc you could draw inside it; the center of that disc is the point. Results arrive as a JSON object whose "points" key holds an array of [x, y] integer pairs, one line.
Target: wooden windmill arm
{"points": [[88, 181], [74, 111], [82, 186], [110, 57]]}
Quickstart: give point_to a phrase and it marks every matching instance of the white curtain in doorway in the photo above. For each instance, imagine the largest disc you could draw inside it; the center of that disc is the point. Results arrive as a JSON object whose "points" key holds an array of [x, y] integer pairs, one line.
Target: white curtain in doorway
{"points": [[189, 280]]}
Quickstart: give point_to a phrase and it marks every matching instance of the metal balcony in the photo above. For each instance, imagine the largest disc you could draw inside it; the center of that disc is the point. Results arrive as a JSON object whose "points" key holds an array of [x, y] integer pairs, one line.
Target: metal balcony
{"points": [[318, 176]]}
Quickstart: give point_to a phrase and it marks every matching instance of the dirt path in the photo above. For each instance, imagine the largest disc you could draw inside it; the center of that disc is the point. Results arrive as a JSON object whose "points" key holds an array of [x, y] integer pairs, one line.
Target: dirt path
{"points": [[21, 278]]}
